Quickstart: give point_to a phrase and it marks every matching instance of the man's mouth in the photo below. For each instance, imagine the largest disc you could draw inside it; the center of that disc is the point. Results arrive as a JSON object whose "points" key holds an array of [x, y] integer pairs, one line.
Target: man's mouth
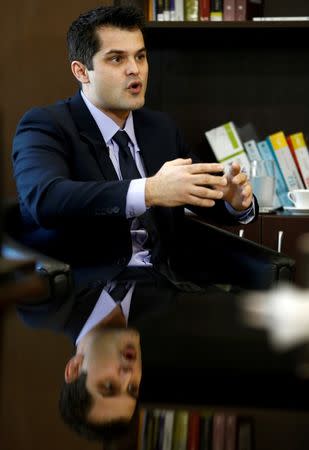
{"points": [[135, 87]]}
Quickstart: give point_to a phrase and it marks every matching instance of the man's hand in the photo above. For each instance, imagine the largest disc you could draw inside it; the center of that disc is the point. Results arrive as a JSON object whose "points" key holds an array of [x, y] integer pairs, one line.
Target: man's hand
{"points": [[179, 182], [238, 190]]}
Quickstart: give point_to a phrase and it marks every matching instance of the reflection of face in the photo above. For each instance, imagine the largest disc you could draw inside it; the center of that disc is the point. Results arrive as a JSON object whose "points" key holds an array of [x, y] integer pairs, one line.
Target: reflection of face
{"points": [[112, 360], [118, 81]]}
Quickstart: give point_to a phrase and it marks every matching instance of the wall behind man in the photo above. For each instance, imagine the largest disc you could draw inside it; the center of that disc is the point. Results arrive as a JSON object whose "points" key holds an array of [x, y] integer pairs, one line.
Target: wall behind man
{"points": [[34, 71], [34, 66]]}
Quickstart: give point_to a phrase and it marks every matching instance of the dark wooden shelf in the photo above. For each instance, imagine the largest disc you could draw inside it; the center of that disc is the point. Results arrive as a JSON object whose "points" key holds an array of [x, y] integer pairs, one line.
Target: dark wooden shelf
{"points": [[226, 25]]}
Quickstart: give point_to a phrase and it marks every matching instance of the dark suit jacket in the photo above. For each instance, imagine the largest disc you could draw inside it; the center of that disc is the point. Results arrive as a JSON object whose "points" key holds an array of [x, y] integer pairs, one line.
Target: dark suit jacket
{"points": [[72, 203]]}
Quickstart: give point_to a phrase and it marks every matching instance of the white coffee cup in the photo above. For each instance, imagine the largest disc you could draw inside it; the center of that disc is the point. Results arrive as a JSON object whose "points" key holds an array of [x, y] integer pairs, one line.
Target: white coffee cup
{"points": [[300, 198]]}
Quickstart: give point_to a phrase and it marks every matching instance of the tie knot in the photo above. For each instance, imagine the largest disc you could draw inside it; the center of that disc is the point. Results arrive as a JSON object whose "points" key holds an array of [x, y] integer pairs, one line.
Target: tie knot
{"points": [[121, 138]]}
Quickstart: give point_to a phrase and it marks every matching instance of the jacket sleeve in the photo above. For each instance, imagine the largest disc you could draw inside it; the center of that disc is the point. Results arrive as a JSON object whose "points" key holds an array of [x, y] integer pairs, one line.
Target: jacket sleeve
{"points": [[43, 162]]}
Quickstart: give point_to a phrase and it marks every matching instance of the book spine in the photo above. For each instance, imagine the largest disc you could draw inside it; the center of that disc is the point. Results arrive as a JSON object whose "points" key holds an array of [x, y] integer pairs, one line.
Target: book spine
{"points": [[241, 10], [180, 432], [193, 431], [191, 10], [230, 432], [151, 11], [281, 198], [218, 432], [204, 8], [159, 10], [285, 160], [300, 154], [229, 10], [156, 429], [168, 430], [149, 428], [166, 10], [141, 428], [206, 431], [179, 10], [252, 150], [216, 10]]}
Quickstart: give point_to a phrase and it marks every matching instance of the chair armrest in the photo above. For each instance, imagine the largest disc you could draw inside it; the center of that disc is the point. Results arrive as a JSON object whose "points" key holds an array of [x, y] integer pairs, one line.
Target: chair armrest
{"points": [[57, 274], [235, 260]]}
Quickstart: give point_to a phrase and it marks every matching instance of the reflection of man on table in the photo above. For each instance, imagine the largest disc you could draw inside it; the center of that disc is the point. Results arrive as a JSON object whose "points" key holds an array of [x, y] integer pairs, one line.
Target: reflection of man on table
{"points": [[103, 183]]}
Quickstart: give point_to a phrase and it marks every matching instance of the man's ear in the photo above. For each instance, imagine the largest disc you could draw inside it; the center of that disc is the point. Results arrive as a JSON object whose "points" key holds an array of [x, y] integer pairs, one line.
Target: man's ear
{"points": [[80, 72], [73, 368]]}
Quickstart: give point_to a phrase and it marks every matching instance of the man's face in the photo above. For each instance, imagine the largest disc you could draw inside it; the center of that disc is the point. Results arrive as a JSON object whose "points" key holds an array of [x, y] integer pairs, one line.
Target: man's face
{"points": [[118, 81], [113, 365]]}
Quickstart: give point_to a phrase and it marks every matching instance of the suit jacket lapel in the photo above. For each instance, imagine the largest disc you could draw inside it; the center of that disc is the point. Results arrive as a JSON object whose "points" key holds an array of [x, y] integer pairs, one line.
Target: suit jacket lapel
{"points": [[90, 133], [152, 152]]}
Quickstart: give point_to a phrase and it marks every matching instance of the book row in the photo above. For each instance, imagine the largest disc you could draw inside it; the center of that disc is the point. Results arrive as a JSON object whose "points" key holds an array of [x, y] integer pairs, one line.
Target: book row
{"points": [[161, 429], [204, 10], [289, 153]]}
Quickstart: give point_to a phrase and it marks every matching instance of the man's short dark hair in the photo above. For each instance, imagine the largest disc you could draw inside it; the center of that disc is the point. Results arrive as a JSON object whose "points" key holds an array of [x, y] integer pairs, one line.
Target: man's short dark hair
{"points": [[82, 38], [75, 403]]}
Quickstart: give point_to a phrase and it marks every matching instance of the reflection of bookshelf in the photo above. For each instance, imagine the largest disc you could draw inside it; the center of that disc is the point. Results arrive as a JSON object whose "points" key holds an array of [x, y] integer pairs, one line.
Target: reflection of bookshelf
{"points": [[255, 424], [195, 429]]}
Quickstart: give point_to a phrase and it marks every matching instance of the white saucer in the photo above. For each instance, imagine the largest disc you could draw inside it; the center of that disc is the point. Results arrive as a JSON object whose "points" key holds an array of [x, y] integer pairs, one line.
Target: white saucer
{"points": [[295, 210], [266, 209]]}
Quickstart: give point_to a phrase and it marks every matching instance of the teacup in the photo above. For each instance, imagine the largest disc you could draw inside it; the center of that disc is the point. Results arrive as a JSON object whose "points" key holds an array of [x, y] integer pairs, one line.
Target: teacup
{"points": [[300, 198]]}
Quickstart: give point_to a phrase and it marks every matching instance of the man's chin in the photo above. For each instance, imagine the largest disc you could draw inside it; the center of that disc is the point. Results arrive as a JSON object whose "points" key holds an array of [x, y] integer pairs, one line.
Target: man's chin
{"points": [[135, 104]]}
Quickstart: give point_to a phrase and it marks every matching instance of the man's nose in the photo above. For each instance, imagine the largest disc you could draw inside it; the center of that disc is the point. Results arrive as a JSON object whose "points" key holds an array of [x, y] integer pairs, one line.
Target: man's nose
{"points": [[132, 66], [126, 374]]}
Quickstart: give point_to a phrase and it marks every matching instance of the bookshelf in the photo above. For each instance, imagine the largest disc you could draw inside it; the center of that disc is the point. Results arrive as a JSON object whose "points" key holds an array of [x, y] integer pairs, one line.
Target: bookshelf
{"points": [[205, 74]]}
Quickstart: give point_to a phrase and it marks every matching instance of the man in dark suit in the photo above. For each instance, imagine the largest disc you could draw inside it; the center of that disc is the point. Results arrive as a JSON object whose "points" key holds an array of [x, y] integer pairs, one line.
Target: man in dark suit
{"points": [[103, 181]]}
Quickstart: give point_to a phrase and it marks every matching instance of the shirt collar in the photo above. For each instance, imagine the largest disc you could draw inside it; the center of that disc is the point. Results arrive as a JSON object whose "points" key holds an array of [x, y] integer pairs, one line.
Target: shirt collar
{"points": [[107, 126]]}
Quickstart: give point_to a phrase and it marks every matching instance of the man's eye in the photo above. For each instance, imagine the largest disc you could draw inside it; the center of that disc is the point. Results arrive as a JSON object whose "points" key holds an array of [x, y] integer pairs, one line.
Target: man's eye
{"points": [[141, 57], [108, 387], [133, 390], [116, 59]]}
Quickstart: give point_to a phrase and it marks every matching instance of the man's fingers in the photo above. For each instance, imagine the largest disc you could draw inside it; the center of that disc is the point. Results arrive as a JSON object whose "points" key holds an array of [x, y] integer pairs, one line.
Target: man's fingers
{"points": [[206, 168], [202, 202], [235, 168], [247, 202], [247, 190], [179, 162], [209, 180], [204, 192], [240, 178]]}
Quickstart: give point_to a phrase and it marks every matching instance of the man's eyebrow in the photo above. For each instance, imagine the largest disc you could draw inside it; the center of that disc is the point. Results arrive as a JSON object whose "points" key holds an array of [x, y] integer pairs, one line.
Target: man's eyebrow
{"points": [[121, 52]]}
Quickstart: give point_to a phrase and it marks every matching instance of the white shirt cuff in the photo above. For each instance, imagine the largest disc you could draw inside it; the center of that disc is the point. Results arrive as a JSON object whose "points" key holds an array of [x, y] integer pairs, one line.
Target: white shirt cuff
{"points": [[136, 198]]}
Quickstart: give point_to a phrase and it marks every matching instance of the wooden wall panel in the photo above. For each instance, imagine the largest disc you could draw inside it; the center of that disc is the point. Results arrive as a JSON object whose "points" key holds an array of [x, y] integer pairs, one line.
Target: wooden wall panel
{"points": [[32, 368], [34, 68]]}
